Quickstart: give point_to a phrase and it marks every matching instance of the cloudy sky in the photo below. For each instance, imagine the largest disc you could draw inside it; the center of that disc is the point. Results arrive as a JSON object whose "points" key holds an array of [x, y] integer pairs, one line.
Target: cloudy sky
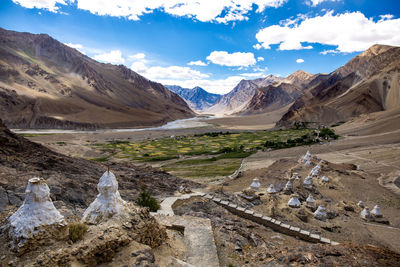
{"points": [[211, 43]]}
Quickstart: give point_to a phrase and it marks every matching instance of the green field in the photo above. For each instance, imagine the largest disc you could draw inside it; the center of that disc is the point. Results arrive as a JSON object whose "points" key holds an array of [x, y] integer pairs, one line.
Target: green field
{"points": [[204, 155]]}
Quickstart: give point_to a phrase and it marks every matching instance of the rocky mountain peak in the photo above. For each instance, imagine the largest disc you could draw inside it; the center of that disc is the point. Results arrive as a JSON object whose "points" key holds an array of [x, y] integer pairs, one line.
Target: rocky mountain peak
{"points": [[375, 50], [298, 78]]}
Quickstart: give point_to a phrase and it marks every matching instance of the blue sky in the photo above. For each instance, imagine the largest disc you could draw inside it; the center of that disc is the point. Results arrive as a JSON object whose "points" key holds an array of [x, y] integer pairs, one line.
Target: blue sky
{"points": [[212, 43]]}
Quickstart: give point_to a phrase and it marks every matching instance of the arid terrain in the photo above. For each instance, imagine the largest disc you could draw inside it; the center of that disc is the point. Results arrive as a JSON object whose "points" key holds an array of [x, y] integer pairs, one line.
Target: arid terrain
{"points": [[370, 142]]}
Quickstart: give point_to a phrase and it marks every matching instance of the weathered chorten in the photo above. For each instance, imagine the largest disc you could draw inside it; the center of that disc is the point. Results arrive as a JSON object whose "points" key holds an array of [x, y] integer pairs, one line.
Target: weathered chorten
{"points": [[310, 202], [365, 214], [294, 202], [306, 158], [320, 214], [288, 189], [324, 179], [255, 185], [295, 176], [315, 170], [37, 221], [308, 182], [108, 202], [271, 189], [376, 212], [361, 204]]}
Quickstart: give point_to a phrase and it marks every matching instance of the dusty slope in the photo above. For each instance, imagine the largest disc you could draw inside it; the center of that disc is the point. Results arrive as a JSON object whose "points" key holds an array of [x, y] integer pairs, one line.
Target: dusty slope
{"points": [[46, 84], [366, 84], [272, 97], [71, 180]]}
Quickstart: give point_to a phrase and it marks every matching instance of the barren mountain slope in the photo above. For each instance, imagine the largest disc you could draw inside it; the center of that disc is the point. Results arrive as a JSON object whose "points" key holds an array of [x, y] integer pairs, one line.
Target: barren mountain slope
{"points": [[237, 99], [278, 95], [46, 84], [272, 97], [368, 83]]}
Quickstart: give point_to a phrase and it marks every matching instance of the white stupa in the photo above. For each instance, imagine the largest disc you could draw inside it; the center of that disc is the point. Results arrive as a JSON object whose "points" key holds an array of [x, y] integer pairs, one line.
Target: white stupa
{"points": [[255, 185], [294, 202], [365, 214], [37, 217], [108, 202], [310, 201], [324, 179], [361, 204], [271, 189], [315, 170], [320, 214], [306, 158], [288, 187], [376, 211], [308, 181]]}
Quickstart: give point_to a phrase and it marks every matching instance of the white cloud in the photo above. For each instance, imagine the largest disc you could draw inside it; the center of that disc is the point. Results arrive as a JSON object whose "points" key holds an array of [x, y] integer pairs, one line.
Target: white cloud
{"points": [[197, 63], [257, 46], [237, 59], [350, 32], [260, 59], [78, 47], [113, 57], [253, 75], [51, 5], [220, 11], [317, 2], [299, 60], [331, 51], [137, 56], [171, 72]]}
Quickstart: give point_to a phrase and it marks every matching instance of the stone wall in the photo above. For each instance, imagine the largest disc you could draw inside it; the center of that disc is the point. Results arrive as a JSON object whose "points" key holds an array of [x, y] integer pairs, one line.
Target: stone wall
{"points": [[274, 224]]}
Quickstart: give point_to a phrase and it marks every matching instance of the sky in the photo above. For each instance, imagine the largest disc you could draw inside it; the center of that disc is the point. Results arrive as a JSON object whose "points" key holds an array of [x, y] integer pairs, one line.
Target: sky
{"points": [[212, 43]]}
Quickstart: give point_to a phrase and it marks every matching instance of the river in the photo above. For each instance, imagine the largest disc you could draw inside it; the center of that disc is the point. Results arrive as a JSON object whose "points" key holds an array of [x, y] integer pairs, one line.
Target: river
{"points": [[172, 125]]}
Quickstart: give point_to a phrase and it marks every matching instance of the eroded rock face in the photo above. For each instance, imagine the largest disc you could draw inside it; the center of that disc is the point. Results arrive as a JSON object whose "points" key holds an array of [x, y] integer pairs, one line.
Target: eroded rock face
{"points": [[108, 202], [37, 221]]}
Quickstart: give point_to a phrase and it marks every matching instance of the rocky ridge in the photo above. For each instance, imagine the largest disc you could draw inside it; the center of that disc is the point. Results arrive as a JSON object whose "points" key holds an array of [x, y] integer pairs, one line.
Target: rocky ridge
{"points": [[237, 99]]}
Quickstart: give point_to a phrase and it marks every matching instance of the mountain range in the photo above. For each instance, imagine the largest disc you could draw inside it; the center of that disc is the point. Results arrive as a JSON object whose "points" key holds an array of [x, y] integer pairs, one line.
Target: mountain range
{"points": [[367, 83], [197, 98], [46, 84]]}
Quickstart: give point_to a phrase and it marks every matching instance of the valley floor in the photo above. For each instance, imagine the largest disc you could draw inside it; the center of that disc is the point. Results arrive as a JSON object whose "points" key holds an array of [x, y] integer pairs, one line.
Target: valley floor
{"points": [[376, 152]]}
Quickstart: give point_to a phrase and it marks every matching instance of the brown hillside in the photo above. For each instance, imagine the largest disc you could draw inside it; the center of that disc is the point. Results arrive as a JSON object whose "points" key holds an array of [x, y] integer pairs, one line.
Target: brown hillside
{"points": [[46, 84]]}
